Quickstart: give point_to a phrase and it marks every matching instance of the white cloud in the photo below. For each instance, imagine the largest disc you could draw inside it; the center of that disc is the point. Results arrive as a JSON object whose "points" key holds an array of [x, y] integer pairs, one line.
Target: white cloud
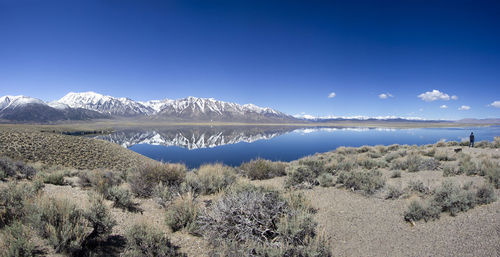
{"points": [[464, 108], [496, 104], [332, 95], [434, 95], [385, 95], [444, 106]]}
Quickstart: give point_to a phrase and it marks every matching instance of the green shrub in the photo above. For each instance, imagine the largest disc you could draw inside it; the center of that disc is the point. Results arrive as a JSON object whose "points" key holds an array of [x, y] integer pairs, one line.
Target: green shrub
{"points": [[367, 181], [163, 195], [263, 169], [493, 176], [99, 217], [54, 178], [13, 199], [316, 166], [367, 163], [418, 187], [143, 179], [483, 144], [496, 142], [413, 162], [326, 180], [467, 166], [443, 156], [453, 199], [486, 164], [215, 177], [346, 165], [15, 169], [417, 212], [391, 156], [450, 170], [17, 241], [143, 240], [430, 153], [122, 198], [100, 180], [182, 213], [393, 192], [396, 174], [61, 223], [300, 176], [485, 194]]}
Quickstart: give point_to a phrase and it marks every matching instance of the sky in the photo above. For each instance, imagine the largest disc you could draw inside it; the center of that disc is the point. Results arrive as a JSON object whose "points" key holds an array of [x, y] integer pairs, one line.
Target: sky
{"points": [[428, 59]]}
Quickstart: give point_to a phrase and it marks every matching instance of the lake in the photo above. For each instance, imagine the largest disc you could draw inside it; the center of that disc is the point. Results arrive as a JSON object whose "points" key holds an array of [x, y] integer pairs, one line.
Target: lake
{"points": [[232, 145]]}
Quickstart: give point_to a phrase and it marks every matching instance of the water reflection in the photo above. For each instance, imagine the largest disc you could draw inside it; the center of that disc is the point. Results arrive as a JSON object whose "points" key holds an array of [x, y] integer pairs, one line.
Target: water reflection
{"points": [[194, 137]]}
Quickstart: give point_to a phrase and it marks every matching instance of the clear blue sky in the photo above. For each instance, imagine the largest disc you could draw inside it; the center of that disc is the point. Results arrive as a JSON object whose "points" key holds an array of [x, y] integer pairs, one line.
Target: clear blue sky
{"points": [[288, 55]]}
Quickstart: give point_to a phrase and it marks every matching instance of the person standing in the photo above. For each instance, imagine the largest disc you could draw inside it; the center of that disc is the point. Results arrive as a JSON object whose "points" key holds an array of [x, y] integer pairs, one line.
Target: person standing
{"points": [[471, 140]]}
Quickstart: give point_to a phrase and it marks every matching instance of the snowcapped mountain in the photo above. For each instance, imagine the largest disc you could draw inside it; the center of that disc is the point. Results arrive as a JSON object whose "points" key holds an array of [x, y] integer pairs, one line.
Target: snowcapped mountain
{"points": [[28, 109], [187, 109], [105, 104]]}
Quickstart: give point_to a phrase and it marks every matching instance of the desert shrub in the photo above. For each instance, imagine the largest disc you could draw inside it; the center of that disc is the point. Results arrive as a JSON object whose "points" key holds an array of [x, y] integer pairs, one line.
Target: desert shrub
{"points": [[163, 194], [143, 179], [215, 177], [54, 178], [450, 170], [493, 176], [416, 211], [393, 192], [484, 165], [13, 201], [485, 194], [300, 176], [391, 156], [442, 155], [345, 150], [17, 241], [430, 153], [316, 166], [61, 223], [413, 162], [429, 164], [393, 147], [396, 174], [367, 181], [15, 169], [496, 142], [346, 165], [182, 213], [99, 217], [100, 180], [122, 198], [467, 166], [398, 164], [263, 169], [143, 240], [367, 163], [243, 214], [363, 149], [452, 143], [252, 219], [374, 155], [453, 199], [326, 180], [381, 149], [464, 143], [418, 186], [483, 144]]}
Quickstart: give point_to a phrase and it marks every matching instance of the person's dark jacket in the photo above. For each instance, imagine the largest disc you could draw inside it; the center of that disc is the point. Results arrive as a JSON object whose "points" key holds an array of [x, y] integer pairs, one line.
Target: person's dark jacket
{"points": [[471, 138]]}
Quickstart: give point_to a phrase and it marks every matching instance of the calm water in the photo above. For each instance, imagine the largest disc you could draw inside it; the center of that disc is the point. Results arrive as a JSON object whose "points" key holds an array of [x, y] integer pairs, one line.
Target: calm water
{"points": [[234, 145]]}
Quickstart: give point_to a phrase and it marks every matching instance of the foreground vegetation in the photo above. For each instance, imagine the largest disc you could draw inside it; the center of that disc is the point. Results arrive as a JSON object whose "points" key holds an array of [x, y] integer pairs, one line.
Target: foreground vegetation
{"points": [[228, 209]]}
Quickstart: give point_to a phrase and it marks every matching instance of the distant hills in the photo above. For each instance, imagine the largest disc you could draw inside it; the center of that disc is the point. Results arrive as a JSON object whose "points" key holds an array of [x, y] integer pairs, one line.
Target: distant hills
{"points": [[93, 106]]}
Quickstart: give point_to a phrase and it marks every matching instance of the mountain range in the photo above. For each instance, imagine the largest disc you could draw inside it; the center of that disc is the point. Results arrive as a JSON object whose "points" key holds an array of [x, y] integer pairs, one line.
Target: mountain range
{"points": [[91, 105]]}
